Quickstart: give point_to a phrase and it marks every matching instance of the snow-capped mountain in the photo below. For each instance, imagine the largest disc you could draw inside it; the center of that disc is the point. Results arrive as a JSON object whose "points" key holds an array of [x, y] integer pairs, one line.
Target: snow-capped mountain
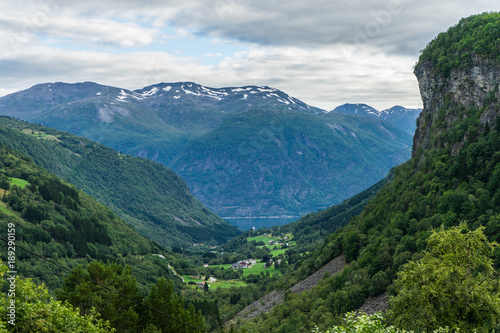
{"points": [[247, 95], [399, 116], [244, 151]]}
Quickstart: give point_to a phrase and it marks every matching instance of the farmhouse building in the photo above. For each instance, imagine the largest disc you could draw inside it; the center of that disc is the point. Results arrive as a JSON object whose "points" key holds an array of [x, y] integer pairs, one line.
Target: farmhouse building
{"points": [[240, 264]]}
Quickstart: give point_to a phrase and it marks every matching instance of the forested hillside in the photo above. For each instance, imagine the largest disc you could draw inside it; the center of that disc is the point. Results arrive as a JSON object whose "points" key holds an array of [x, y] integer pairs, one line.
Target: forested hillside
{"points": [[453, 178], [149, 196], [58, 221], [250, 151], [47, 217]]}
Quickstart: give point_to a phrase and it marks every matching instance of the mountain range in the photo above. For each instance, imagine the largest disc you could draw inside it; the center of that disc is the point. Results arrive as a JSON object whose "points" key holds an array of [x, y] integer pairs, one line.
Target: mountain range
{"points": [[243, 151], [147, 195]]}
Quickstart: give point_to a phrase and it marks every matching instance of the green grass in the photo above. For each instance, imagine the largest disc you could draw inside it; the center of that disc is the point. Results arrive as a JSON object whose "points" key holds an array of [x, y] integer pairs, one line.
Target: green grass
{"points": [[227, 284], [188, 278], [40, 134], [259, 267], [216, 284], [255, 269], [265, 239], [19, 182], [225, 266], [277, 252], [6, 210]]}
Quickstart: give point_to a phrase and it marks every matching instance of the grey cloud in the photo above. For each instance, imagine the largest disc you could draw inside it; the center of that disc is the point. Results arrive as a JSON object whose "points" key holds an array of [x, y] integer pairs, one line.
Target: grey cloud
{"points": [[402, 26], [325, 52]]}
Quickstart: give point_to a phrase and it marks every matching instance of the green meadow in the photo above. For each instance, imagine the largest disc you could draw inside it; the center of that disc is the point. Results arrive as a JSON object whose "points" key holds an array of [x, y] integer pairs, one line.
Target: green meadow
{"points": [[19, 182]]}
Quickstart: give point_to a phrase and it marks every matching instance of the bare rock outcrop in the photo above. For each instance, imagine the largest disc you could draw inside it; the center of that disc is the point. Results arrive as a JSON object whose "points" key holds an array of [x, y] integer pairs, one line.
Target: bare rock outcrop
{"points": [[467, 87], [266, 303]]}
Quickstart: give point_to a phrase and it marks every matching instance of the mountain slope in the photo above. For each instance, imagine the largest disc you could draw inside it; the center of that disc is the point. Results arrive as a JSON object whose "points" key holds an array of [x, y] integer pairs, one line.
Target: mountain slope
{"points": [[150, 197], [453, 177], [58, 221], [199, 132], [158, 119], [288, 163], [399, 116]]}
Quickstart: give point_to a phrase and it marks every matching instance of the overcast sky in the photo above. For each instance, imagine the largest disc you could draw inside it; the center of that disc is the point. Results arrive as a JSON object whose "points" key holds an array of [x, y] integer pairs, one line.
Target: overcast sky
{"points": [[324, 52]]}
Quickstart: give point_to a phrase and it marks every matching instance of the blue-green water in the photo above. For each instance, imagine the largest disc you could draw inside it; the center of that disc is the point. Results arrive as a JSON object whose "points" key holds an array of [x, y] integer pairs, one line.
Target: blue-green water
{"points": [[248, 223]]}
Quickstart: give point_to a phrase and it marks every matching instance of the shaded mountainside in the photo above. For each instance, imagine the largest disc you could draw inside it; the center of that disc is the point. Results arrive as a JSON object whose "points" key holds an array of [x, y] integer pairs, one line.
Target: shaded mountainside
{"points": [[311, 228], [58, 221], [453, 177], [288, 163], [231, 167], [149, 196]]}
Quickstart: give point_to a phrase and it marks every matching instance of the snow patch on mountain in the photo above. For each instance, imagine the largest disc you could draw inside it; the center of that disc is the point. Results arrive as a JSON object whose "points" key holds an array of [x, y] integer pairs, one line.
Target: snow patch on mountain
{"points": [[151, 92], [106, 113]]}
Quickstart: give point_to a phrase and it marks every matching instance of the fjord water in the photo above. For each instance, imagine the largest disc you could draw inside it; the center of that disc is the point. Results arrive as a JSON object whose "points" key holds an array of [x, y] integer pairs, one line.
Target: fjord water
{"points": [[265, 222]]}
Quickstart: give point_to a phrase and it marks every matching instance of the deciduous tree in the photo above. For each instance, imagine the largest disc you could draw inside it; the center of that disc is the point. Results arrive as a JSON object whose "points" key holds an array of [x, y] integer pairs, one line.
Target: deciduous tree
{"points": [[454, 284]]}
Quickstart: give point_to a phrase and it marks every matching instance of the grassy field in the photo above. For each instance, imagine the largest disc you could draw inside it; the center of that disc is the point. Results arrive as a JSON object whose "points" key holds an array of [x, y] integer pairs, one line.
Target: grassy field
{"points": [[19, 182], [188, 278], [225, 266], [255, 269], [277, 252], [40, 135], [216, 284], [259, 267], [265, 239], [6, 210], [227, 284]]}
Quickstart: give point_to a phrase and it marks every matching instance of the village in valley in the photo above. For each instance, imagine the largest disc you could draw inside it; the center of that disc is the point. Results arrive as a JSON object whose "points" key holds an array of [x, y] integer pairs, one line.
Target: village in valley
{"points": [[268, 253]]}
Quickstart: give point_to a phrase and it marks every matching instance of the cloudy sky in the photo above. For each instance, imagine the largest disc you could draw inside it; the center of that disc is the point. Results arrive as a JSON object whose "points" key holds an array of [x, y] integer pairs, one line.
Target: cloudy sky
{"points": [[324, 52]]}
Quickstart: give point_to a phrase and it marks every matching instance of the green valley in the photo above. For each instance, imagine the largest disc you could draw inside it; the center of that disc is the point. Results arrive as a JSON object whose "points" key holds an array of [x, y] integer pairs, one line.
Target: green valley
{"points": [[414, 248], [150, 197]]}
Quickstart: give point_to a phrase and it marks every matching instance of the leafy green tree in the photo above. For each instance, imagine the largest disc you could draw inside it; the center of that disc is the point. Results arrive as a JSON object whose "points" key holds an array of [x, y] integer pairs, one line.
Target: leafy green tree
{"points": [[454, 284], [360, 323], [120, 311], [163, 298], [37, 311], [364, 323]]}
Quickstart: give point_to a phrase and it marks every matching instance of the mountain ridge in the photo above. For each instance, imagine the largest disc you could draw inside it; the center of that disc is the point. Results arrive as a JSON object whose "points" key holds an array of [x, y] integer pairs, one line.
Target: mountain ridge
{"points": [[161, 122], [149, 196]]}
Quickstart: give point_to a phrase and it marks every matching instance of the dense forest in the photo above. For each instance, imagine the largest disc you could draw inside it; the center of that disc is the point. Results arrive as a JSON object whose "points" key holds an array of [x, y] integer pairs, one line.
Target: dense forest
{"points": [[474, 36], [58, 221], [147, 195]]}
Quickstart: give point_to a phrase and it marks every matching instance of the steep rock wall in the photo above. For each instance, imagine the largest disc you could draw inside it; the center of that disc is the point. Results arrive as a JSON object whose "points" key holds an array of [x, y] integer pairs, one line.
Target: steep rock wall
{"points": [[475, 86]]}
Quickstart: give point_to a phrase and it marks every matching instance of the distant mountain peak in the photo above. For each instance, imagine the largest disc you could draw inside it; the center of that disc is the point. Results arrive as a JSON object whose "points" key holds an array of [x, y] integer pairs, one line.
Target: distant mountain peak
{"points": [[399, 116], [252, 95], [357, 108]]}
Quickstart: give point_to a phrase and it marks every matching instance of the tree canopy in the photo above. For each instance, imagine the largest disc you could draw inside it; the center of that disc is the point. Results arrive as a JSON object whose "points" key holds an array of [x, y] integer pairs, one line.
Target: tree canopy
{"points": [[454, 284], [37, 311], [475, 35]]}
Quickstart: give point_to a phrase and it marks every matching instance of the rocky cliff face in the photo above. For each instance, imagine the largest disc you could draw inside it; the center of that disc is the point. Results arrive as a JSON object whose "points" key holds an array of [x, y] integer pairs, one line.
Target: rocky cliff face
{"points": [[472, 88]]}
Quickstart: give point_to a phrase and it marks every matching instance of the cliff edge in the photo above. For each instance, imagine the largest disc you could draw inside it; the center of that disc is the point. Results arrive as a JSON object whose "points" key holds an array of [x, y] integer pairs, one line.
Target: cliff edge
{"points": [[458, 76]]}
